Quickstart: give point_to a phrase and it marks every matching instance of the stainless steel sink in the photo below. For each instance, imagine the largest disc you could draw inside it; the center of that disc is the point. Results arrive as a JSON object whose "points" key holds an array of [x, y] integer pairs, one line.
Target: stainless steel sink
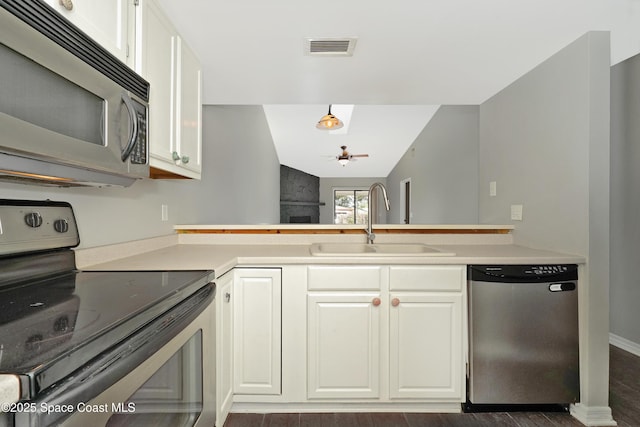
{"points": [[376, 249]]}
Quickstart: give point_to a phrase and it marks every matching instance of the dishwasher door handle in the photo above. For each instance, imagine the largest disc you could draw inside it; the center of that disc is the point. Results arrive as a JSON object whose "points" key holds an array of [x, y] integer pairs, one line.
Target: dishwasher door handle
{"points": [[562, 287]]}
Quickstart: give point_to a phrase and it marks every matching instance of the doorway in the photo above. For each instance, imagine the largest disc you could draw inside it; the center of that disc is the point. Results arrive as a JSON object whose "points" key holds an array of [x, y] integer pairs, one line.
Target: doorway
{"points": [[405, 201]]}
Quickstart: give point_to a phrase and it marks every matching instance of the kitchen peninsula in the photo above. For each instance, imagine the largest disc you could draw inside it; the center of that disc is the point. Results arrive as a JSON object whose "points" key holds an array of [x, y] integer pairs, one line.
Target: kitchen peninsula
{"points": [[295, 300]]}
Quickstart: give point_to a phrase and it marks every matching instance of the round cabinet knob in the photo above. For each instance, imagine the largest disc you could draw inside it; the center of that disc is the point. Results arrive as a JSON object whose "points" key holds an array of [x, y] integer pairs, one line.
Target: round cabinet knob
{"points": [[61, 225], [175, 156], [33, 219], [67, 4], [376, 302], [395, 302], [185, 159]]}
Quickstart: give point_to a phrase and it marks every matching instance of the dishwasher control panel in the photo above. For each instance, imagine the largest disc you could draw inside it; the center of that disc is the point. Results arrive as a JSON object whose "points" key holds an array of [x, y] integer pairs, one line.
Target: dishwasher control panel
{"points": [[523, 273]]}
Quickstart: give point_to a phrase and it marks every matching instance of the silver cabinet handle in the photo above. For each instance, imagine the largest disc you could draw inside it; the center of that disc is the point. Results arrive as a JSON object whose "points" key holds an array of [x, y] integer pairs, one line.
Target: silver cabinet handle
{"points": [[227, 297], [175, 156]]}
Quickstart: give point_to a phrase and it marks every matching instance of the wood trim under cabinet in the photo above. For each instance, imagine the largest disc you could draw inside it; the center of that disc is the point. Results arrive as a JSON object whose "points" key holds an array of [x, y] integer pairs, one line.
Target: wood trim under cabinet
{"points": [[155, 173]]}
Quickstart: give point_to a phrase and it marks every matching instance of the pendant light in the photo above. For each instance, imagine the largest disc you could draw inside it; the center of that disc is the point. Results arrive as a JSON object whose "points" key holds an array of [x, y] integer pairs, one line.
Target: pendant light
{"points": [[329, 122]]}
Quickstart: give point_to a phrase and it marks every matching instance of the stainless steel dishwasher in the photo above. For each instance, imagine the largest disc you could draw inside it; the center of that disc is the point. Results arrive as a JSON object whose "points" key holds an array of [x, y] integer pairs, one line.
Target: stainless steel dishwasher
{"points": [[523, 336]]}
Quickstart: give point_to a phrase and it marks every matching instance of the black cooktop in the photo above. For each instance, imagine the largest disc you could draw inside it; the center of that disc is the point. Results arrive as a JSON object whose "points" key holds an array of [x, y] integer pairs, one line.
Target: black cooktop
{"points": [[57, 323]]}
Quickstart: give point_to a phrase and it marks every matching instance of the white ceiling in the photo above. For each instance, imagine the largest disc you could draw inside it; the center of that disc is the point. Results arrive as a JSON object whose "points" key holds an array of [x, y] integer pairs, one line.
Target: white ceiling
{"points": [[384, 132], [409, 52]]}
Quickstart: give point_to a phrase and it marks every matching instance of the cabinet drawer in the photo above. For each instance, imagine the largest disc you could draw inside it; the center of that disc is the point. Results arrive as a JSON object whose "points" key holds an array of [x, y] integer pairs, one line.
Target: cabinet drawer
{"points": [[348, 277], [427, 278]]}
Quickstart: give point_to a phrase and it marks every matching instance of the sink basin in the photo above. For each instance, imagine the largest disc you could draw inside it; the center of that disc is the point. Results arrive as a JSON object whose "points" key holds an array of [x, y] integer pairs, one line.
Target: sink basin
{"points": [[376, 249]]}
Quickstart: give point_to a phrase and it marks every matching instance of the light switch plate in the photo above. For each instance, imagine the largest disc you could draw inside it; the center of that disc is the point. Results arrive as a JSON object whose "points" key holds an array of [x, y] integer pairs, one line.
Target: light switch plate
{"points": [[516, 212], [493, 189]]}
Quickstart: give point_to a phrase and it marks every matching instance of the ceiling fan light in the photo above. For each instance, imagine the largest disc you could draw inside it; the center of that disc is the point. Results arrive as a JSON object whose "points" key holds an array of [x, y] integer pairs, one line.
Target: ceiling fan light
{"points": [[343, 161]]}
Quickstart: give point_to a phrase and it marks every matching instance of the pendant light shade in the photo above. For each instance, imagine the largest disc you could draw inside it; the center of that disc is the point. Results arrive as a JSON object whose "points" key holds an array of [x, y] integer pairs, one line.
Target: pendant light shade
{"points": [[329, 122]]}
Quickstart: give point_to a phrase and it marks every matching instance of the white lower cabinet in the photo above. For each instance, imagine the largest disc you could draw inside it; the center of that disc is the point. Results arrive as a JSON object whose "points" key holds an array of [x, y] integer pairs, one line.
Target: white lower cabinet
{"points": [[425, 357], [257, 331], [224, 347], [382, 336], [343, 344], [404, 332]]}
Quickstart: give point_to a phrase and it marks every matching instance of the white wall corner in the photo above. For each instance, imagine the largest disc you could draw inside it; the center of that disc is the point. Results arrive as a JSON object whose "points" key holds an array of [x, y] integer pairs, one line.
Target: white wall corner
{"points": [[625, 344], [593, 415]]}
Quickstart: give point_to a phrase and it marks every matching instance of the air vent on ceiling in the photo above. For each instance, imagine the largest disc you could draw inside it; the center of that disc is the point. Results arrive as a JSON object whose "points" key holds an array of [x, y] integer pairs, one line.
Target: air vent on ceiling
{"points": [[330, 46]]}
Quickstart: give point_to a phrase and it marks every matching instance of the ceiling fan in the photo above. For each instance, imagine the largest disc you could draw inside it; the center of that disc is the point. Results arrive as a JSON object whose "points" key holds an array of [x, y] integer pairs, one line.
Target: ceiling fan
{"points": [[345, 157]]}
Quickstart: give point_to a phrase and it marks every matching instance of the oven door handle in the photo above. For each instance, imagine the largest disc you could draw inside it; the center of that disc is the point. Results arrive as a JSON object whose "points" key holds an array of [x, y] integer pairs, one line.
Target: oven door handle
{"points": [[105, 370]]}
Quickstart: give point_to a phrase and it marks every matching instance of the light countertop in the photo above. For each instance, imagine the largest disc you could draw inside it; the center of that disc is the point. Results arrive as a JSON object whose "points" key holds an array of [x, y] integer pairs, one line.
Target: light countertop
{"points": [[223, 257]]}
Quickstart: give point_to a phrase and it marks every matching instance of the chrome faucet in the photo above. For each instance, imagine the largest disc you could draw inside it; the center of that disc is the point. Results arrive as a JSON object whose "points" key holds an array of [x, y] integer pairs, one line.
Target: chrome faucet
{"points": [[370, 235]]}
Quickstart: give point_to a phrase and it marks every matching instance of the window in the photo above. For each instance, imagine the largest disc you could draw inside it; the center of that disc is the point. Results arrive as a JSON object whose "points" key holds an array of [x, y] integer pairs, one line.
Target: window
{"points": [[350, 206]]}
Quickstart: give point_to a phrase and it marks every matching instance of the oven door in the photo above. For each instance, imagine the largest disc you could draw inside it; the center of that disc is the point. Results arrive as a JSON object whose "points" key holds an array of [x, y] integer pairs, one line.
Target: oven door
{"points": [[146, 381]]}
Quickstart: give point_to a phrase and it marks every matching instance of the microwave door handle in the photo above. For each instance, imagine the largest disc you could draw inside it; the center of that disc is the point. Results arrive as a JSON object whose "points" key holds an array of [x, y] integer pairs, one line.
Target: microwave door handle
{"points": [[133, 126]]}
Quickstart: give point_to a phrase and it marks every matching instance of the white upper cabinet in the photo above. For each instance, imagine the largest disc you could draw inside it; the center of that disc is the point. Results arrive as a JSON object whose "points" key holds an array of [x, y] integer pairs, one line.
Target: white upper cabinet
{"points": [[189, 109], [175, 104], [110, 23]]}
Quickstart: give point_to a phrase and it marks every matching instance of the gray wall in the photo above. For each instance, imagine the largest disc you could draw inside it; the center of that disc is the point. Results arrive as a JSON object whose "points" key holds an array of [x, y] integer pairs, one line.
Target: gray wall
{"points": [[545, 141], [112, 215], [246, 184], [242, 171], [443, 166], [625, 199]]}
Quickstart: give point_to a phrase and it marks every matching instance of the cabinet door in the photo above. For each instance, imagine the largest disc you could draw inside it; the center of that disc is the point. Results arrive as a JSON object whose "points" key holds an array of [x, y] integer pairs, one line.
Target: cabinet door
{"points": [[224, 348], [426, 346], [257, 331], [343, 345], [110, 23], [189, 109], [156, 47]]}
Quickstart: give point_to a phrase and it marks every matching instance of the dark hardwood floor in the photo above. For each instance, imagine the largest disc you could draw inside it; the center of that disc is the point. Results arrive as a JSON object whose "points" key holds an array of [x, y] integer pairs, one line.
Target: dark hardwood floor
{"points": [[624, 387], [624, 401]]}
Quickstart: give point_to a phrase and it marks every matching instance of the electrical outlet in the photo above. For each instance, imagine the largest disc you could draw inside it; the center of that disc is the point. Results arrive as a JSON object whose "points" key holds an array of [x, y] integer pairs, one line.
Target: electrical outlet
{"points": [[165, 213], [516, 212]]}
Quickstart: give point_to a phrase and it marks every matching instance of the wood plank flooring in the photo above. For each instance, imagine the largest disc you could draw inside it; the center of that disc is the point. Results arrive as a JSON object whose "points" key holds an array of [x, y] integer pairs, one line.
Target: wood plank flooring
{"points": [[624, 387], [624, 401]]}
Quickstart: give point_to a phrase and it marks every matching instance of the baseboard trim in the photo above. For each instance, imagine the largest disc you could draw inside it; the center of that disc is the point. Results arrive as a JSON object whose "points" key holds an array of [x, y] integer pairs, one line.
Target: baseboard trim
{"points": [[320, 407], [624, 344], [592, 415]]}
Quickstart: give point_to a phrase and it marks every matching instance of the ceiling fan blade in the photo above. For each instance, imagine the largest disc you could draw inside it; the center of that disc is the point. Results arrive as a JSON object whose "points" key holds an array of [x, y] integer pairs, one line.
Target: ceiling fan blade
{"points": [[359, 155]]}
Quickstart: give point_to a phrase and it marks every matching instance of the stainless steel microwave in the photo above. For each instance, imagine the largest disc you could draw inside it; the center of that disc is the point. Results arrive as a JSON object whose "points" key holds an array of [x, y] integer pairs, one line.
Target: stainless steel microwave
{"points": [[70, 112]]}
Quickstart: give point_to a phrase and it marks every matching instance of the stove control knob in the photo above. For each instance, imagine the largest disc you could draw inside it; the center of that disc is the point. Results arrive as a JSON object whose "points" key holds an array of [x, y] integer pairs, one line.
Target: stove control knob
{"points": [[33, 219], [61, 225]]}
